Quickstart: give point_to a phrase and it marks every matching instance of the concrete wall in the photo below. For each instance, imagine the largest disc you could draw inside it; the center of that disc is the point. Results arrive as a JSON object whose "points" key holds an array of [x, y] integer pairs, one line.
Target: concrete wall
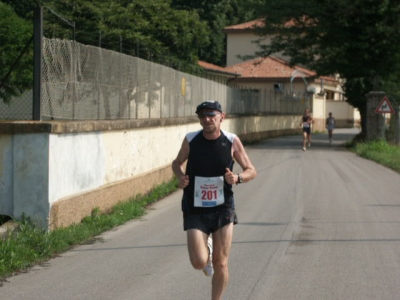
{"points": [[240, 44], [318, 113], [243, 43], [346, 116], [57, 172]]}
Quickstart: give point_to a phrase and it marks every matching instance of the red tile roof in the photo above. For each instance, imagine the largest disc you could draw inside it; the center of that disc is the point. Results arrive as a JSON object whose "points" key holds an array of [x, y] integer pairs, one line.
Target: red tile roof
{"points": [[214, 68], [268, 68], [249, 26], [246, 26]]}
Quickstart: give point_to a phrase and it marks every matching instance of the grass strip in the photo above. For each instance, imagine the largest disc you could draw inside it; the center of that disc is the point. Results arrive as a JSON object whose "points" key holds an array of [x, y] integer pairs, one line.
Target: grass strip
{"points": [[379, 151], [32, 245]]}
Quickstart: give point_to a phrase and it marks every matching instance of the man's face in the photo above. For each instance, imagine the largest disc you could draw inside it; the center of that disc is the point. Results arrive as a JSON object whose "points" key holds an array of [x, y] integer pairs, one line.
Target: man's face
{"points": [[210, 119]]}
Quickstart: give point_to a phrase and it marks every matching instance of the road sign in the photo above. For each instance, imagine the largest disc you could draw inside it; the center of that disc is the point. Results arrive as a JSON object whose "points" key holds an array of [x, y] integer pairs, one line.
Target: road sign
{"points": [[384, 107]]}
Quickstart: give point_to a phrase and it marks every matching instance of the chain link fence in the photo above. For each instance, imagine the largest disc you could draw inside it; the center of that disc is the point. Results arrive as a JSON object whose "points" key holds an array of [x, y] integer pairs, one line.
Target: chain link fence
{"points": [[90, 83], [81, 82], [19, 108]]}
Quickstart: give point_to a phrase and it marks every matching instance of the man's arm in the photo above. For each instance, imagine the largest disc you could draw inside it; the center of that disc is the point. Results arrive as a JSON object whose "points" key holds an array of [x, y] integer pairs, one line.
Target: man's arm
{"points": [[177, 164], [240, 155]]}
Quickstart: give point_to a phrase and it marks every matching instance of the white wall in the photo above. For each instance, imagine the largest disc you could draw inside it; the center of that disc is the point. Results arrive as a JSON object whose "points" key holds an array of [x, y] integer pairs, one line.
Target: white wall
{"points": [[341, 110], [6, 169], [86, 161], [318, 109], [39, 169], [242, 44], [30, 175]]}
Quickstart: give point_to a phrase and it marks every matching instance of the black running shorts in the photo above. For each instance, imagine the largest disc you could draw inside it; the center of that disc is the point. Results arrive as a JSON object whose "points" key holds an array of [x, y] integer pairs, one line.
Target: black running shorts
{"points": [[209, 222]]}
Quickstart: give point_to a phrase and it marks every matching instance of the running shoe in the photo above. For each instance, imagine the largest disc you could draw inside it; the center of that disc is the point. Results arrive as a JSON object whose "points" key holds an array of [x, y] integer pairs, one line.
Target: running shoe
{"points": [[209, 270], [304, 148]]}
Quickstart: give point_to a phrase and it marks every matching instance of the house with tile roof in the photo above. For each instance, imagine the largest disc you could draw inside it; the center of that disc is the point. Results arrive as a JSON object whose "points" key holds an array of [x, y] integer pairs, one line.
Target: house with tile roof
{"points": [[241, 41], [273, 77]]}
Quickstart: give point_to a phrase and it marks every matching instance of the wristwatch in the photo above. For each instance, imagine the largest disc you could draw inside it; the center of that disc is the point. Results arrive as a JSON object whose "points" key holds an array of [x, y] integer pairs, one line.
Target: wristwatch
{"points": [[240, 179]]}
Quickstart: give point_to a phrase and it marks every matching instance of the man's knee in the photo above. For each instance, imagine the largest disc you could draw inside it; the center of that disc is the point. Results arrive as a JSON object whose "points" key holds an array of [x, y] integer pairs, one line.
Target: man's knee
{"points": [[220, 263], [198, 263]]}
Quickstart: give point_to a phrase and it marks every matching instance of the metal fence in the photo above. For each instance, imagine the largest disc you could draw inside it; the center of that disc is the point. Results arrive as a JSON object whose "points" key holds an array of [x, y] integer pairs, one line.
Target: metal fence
{"points": [[19, 108], [81, 82]]}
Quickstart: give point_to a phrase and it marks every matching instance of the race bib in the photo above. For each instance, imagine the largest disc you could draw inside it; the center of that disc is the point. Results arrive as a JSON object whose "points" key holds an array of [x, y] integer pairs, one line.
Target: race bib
{"points": [[306, 124], [208, 191]]}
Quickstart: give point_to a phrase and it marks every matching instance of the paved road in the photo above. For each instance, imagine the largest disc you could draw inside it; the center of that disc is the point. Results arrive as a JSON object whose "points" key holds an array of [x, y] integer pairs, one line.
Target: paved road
{"points": [[322, 224]]}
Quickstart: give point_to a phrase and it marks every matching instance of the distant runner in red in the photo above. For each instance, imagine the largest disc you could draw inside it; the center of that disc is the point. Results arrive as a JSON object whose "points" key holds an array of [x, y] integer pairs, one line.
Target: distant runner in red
{"points": [[306, 123]]}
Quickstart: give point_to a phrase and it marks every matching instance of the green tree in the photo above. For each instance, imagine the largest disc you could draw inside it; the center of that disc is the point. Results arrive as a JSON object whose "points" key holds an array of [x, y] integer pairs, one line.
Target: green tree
{"points": [[218, 14], [151, 28], [357, 39], [23, 8], [15, 33]]}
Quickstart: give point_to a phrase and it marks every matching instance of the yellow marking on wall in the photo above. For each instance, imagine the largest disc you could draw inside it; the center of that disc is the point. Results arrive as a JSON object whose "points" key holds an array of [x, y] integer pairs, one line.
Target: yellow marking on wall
{"points": [[183, 87]]}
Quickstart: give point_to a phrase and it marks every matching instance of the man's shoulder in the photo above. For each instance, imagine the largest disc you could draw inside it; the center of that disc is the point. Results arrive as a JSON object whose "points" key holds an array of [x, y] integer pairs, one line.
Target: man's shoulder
{"points": [[230, 136], [191, 135]]}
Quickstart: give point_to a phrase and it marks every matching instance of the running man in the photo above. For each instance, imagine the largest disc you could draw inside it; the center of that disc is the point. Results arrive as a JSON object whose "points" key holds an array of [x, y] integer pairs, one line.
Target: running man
{"points": [[330, 125], [306, 122], [207, 203]]}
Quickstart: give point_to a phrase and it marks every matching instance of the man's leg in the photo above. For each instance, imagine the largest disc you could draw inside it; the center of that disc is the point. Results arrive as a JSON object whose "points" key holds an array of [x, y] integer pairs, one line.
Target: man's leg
{"points": [[197, 247], [222, 241], [304, 139]]}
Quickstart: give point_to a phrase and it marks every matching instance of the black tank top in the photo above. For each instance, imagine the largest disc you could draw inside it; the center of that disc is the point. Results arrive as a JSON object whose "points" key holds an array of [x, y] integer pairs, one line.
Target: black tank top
{"points": [[208, 158], [305, 120]]}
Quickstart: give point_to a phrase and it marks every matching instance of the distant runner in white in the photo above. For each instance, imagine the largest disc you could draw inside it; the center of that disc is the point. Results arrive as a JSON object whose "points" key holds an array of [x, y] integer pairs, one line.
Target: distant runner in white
{"points": [[330, 125]]}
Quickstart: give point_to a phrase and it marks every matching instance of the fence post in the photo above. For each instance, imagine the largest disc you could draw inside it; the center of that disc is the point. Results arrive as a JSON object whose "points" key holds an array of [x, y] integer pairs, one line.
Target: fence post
{"points": [[37, 65], [375, 121]]}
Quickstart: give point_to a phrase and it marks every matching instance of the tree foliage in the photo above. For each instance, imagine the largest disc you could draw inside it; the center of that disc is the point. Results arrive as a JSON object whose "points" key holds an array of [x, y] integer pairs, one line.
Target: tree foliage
{"points": [[23, 8], [357, 39], [147, 28], [218, 14], [150, 29], [15, 33]]}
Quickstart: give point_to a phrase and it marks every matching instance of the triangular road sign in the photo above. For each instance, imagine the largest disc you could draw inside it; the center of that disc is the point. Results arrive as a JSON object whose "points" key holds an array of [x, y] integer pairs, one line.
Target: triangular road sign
{"points": [[384, 107]]}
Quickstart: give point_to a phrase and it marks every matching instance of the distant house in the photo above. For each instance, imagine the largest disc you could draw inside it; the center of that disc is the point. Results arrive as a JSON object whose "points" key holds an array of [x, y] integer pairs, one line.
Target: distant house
{"points": [[275, 74], [272, 81], [240, 41]]}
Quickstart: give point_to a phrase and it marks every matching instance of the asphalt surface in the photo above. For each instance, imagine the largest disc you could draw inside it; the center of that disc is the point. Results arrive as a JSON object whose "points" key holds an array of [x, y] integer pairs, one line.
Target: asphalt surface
{"points": [[322, 224]]}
